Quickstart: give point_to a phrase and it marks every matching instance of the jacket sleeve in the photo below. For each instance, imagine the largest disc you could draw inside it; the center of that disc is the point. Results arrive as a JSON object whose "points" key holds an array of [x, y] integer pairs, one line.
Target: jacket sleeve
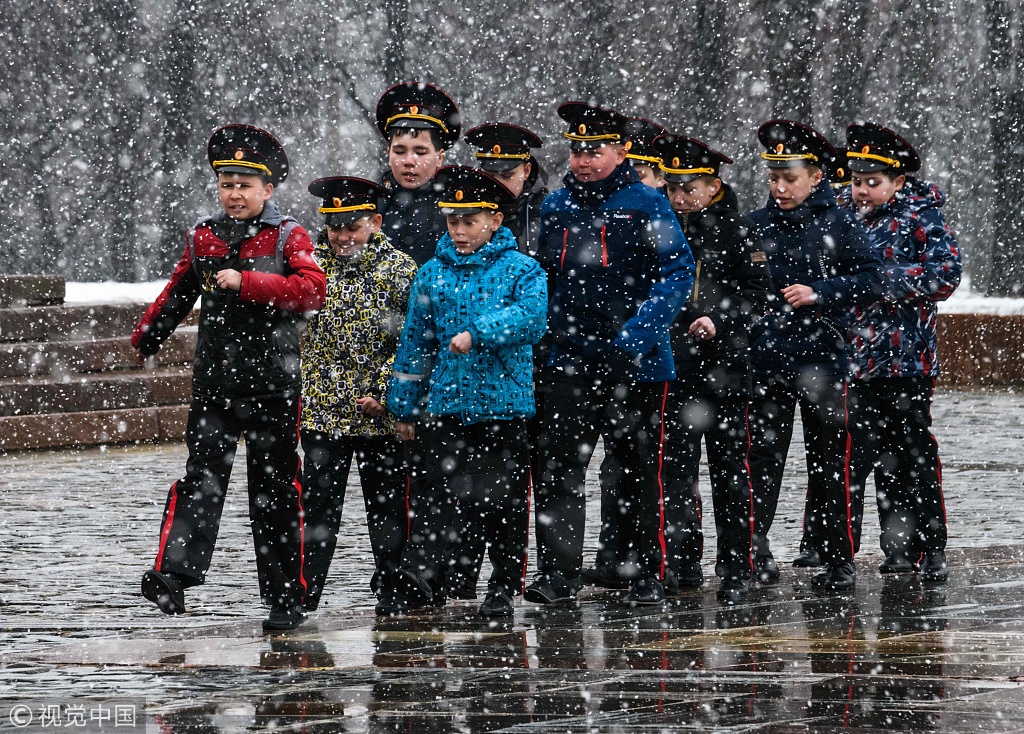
{"points": [[167, 311], [417, 351], [859, 278], [938, 273], [303, 289], [641, 333], [751, 281], [401, 282], [522, 322]]}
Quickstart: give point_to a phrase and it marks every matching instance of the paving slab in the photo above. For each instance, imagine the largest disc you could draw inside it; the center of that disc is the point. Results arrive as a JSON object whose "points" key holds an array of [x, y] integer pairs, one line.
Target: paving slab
{"points": [[80, 527]]}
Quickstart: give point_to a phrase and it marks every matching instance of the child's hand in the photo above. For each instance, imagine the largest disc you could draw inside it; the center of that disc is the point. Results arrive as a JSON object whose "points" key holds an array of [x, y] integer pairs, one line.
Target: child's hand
{"points": [[229, 280], [703, 329], [799, 295], [461, 343], [370, 406], [405, 431]]}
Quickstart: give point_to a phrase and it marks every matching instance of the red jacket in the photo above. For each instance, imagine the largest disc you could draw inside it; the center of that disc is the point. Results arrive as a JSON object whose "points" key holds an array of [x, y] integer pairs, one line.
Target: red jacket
{"points": [[248, 341]]}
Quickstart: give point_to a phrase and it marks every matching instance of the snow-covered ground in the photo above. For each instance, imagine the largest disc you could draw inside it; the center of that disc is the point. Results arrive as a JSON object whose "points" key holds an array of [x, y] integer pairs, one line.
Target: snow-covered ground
{"points": [[963, 301]]}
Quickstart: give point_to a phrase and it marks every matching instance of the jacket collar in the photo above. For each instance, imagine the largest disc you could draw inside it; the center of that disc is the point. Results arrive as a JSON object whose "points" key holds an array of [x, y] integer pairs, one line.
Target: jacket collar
{"points": [[502, 241]]}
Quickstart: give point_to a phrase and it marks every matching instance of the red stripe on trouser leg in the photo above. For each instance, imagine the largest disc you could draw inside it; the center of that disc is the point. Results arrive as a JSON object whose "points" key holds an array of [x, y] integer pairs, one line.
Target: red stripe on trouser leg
{"points": [[165, 531], [526, 548], [846, 466], [661, 484], [750, 484], [296, 481]]}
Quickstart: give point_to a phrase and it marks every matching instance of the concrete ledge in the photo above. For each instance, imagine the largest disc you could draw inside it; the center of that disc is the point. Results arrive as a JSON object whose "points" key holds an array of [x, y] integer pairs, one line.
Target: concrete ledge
{"points": [[979, 350], [92, 428], [25, 359], [74, 323], [95, 391], [18, 291]]}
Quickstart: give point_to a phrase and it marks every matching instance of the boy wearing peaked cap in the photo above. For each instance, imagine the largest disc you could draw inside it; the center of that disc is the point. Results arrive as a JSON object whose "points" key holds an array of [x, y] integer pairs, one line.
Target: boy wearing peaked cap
{"points": [[464, 369], [641, 151], [255, 272], [420, 123], [504, 151], [710, 396], [346, 366], [621, 270], [820, 266], [893, 346]]}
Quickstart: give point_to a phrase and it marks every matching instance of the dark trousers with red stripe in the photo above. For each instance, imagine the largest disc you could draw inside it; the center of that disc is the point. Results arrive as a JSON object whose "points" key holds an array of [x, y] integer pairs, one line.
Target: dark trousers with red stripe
{"points": [[892, 436], [722, 422], [192, 516], [822, 395], [475, 486], [382, 476], [577, 411]]}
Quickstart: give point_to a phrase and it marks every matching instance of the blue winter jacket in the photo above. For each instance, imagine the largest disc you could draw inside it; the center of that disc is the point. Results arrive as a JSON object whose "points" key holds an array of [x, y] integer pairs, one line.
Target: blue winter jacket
{"points": [[820, 245], [500, 297], [621, 270], [896, 337]]}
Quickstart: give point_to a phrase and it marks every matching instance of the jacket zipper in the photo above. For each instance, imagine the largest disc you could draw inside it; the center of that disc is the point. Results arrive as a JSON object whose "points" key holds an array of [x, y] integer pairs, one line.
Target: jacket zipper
{"points": [[565, 244], [604, 246]]}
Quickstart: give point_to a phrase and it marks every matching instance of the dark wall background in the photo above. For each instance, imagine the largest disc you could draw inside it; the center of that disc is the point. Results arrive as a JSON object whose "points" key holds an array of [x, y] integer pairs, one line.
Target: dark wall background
{"points": [[106, 105]]}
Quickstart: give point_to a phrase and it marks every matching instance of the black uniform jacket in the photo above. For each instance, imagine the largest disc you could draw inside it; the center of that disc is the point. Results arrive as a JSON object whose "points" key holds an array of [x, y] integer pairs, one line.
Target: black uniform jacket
{"points": [[413, 222], [731, 288]]}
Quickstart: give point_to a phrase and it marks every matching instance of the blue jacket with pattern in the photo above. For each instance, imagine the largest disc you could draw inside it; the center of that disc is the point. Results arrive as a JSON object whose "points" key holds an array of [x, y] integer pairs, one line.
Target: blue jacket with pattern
{"points": [[500, 297], [819, 245], [621, 270], [896, 337]]}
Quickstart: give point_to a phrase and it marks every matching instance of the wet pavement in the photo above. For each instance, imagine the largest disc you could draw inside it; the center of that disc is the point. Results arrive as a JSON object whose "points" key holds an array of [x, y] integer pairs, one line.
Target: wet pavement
{"points": [[79, 528]]}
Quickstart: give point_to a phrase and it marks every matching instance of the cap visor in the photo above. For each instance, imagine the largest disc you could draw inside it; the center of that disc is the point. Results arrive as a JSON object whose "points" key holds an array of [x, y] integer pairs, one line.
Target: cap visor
{"points": [[499, 165], [866, 165], [341, 219], [460, 212], [680, 178], [244, 170]]}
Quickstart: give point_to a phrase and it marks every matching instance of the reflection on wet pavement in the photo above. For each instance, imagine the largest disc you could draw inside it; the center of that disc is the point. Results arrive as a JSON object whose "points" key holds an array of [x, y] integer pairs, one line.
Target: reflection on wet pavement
{"points": [[894, 656]]}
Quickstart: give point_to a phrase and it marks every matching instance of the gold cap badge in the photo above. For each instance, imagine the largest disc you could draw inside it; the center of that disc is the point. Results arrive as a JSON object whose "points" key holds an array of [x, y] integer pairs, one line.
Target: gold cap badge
{"points": [[414, 110], [496, 149], [675, 162], [840, 172], [779, 148], [459, 195], [336, 201], [239, 155], [583, 129], [866, 149]]}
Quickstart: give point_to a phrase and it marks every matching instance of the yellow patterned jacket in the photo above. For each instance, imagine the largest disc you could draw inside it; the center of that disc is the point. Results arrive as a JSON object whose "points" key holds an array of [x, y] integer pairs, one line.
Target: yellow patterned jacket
{"points": [[351, 342]]}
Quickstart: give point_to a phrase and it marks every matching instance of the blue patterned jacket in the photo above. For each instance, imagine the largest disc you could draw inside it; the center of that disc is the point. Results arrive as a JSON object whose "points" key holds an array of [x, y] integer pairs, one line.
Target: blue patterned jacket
{"points": [[500, 297], [896, 337]]}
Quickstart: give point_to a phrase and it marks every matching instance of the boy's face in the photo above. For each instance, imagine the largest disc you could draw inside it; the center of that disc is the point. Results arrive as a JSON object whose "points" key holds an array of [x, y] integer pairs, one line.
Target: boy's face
{"points": [[790, 187], [693, 196], [649, 175], [243, 195], [872, 190], [515, 179], [596, 164], [348, 240], [473, 231], [413, 158]]}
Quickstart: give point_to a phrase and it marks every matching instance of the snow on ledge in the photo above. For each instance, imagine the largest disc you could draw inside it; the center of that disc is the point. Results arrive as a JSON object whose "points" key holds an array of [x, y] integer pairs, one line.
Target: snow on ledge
{"points": [[963, 301]]}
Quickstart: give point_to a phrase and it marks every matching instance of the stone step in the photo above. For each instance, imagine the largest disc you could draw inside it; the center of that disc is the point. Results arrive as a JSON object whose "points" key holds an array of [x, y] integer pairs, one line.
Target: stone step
{"points": [[132, 425], [18, 291], [80, 322], [98, 391], [56, 359]]}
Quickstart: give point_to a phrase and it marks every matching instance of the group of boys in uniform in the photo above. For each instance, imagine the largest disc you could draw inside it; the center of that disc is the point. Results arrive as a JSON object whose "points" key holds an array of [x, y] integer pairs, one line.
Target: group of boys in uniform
{"points": [[471, 336]]}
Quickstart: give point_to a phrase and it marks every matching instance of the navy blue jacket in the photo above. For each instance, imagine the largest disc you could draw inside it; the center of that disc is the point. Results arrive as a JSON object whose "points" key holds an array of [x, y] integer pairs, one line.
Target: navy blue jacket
{"points": [[820, 245], [622, 270]]}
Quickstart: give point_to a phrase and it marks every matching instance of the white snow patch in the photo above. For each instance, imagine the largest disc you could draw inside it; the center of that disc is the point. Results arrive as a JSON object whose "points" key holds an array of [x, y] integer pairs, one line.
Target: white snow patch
{"points": [[966, 300], [111, 292]]}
